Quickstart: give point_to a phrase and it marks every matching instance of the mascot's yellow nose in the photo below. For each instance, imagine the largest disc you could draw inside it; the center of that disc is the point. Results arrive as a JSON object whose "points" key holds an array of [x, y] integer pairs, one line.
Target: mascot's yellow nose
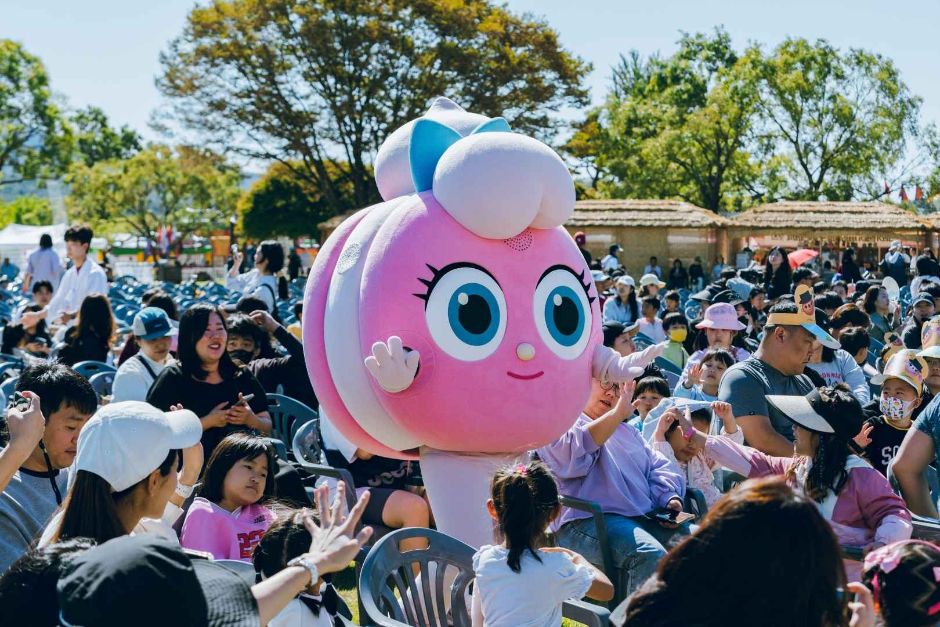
{"points": [[525, 351]]}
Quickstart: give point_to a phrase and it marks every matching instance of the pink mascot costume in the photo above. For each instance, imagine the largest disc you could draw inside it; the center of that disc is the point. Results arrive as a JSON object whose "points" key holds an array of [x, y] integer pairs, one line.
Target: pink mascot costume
{"points": [[456, 322]]}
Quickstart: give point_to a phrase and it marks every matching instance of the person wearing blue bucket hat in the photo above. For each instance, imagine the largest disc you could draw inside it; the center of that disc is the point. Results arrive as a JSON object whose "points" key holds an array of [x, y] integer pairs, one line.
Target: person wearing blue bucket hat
{"points": [[154, 331]]}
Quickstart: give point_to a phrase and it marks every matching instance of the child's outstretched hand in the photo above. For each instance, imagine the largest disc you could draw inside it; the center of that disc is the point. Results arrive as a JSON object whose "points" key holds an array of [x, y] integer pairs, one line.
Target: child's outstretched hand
{"points": [[726, 415], [863, 439], [624, 406], [694, 377]]}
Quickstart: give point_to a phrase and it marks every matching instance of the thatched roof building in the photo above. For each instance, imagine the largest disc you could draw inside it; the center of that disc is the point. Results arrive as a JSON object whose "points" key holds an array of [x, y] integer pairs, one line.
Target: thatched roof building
{"points": [[643, 213], [829, 216]]}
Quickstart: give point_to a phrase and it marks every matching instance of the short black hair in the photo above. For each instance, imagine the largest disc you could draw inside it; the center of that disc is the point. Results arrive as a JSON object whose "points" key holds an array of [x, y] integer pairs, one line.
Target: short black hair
{"points": [[80, 233], [673, 295], [45, 241], [164, 301], [57, 385], [819, 287], [673, 318], [800, 274], [242, 326], [728, 273], [720, 355], [651, 384], [828, 300], [38, 285], [298, 309], [273, 253], [933, 289], [854, 339], [248, 304], [652, 301]]}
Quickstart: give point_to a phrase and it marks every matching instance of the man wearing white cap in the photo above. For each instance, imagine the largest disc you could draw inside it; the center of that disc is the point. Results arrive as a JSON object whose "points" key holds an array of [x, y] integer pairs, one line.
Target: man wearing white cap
{"points": [[154, 333], [895, 263]]}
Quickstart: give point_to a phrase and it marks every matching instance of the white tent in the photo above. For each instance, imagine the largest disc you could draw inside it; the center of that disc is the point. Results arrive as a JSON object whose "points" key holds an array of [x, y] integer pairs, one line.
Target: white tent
{"points": [[17, 240]]}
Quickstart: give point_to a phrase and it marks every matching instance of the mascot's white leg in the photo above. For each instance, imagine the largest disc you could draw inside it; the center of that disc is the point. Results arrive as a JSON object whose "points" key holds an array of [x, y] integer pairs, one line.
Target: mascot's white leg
{"points": [[458, 485]]}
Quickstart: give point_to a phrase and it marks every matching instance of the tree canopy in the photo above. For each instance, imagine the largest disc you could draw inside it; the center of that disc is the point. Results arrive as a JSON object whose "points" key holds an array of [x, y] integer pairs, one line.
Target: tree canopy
{"points": [[725, 129], [192, 189], [310, 83], [35, 139]]}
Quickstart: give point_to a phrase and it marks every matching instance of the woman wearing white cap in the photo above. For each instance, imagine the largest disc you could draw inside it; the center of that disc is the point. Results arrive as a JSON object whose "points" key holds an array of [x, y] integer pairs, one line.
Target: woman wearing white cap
{"points": [[623, 307], [125, 473], [855, 498]]}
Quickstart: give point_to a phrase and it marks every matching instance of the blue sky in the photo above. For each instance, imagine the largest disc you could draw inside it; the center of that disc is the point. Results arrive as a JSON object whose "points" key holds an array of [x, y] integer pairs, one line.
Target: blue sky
{"points": [[104, 52]]}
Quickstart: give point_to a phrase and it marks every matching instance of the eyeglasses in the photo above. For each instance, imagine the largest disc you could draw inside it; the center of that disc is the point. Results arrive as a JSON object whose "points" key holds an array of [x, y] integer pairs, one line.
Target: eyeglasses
{"points": [[607, 386]]}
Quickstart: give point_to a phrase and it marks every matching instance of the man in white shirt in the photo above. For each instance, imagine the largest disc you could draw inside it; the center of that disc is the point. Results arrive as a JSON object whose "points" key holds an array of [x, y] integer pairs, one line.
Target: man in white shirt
{"points": [[154, 333], [653, 268], [43, 265], [83, 278]]}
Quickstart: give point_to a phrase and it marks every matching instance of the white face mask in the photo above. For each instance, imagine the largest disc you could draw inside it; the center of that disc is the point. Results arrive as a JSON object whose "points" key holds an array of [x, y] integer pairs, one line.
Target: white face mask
{"points": [[894, 409]]}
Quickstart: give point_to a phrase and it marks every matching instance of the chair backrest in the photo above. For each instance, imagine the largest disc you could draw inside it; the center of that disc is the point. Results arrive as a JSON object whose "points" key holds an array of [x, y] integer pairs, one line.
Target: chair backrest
{"points": [[306, 443], [667, 365], [8, 387], [389, 589], [287, 415], [672, 379], [89, 368], [101, 383]]}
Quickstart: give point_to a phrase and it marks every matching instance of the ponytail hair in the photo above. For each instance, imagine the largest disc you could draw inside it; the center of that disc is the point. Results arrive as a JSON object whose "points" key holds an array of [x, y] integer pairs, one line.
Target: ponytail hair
{"points": [[90, 509], [525, 497]]}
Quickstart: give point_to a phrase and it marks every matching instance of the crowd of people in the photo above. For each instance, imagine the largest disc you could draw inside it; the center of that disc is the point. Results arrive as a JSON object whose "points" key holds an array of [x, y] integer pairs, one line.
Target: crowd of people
{"points": [[789, 402]]}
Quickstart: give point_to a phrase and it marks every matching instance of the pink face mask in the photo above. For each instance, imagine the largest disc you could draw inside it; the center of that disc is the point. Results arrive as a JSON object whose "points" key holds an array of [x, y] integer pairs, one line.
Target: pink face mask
{"points": [[895, 409]]}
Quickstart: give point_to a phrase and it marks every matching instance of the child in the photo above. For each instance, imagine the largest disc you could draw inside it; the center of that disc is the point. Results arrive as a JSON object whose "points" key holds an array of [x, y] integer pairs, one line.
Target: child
{"points": [[692, 463], [676, 327], [719, 327], [902, 386], [518, 583], [319, 604], [903, 579], [673, 301], [226, 519], [647, 394], [704, 377], [650, 324]]}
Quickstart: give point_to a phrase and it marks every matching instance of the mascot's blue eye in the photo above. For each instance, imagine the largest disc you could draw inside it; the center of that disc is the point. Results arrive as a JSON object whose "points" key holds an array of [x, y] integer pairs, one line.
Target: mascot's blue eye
{"points": [[473, 314], [466, 312], [562, 312], [564, 315]]}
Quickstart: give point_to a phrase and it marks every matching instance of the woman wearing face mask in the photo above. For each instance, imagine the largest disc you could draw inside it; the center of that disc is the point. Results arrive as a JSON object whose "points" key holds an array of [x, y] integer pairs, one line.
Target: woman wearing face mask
{"points": [[891, 416]]}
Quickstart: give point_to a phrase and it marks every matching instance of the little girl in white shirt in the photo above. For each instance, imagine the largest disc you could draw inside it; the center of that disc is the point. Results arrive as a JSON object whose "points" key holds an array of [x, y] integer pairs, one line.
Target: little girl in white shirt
{"points": [[517, 583]]}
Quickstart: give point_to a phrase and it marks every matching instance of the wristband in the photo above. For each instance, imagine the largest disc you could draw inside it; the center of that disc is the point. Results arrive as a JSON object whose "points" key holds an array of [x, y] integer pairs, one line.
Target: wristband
{"points": [[305, 562], [688, 433], [184, 491]]}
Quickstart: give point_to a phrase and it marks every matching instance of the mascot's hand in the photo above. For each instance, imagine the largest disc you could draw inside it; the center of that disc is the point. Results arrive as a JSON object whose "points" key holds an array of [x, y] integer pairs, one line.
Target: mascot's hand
{"points": [[608, 365], [394, 368]]}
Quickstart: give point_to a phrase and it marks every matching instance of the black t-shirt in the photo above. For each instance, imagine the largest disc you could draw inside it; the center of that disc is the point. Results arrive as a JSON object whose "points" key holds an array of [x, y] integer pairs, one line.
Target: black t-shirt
{"points": [[375, 472], [885, 441], [911, 334], [289, 372], [173, 387]]}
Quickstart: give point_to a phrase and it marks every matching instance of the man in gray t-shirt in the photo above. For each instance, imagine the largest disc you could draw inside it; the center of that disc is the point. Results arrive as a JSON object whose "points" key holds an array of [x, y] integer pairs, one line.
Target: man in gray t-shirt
{"points": [[777, 366], [746, 384]]}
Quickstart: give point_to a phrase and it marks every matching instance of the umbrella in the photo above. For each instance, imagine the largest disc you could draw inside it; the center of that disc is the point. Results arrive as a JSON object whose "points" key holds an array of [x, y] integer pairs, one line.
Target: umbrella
{"points": [[800, 256]]}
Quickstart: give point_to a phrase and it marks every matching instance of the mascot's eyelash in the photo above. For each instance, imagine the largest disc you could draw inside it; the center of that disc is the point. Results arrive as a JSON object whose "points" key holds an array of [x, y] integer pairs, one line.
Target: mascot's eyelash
{"points": [[584, 283], [438, 273]]}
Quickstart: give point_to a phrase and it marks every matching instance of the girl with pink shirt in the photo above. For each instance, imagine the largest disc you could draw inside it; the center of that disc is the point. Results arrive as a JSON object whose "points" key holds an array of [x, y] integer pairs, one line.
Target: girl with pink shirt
{"points": [[227, 519]]}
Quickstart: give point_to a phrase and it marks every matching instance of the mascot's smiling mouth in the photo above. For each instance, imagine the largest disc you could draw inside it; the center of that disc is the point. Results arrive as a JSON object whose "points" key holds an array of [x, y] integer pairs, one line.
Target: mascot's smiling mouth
{"points": [[525, 377]]}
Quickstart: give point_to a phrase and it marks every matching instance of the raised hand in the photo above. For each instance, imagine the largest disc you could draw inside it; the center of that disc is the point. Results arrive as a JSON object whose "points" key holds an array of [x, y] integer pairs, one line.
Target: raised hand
{"points": [[863, 439], [26, 427], [695, 375], [334, 542], [394, 368]]}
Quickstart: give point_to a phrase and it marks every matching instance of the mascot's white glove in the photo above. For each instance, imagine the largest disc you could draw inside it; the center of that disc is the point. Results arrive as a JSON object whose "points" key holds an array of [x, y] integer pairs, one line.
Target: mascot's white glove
{"points": [[394, 369], [609, 365]]}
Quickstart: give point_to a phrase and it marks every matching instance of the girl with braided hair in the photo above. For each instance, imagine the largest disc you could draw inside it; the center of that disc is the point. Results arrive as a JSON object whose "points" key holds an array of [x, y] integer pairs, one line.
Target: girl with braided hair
{"points": [[524, 501], [856, 499]]}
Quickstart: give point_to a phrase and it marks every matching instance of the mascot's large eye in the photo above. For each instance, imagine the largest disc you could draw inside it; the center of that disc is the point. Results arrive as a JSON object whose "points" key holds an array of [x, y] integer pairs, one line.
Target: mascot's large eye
{"points": [[562, 312], [466, 312]]}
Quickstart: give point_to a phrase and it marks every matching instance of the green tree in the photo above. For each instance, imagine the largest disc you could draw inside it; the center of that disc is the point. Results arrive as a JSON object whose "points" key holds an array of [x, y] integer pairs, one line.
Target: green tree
{"points": [[96, 140], [679, 126], [26, 210], [35, 139], [191, 189], [836, 121], [310, 83], [279, 204]]}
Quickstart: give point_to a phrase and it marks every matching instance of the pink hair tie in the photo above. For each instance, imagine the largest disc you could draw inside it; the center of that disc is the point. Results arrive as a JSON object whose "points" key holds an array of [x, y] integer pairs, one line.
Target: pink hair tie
{"points": [[521, 469], [887, 558]]}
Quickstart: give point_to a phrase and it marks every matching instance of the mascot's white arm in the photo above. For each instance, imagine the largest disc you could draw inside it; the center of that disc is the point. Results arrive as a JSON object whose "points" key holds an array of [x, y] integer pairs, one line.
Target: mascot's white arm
{"points": [[394, 369], [608, 365]]}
